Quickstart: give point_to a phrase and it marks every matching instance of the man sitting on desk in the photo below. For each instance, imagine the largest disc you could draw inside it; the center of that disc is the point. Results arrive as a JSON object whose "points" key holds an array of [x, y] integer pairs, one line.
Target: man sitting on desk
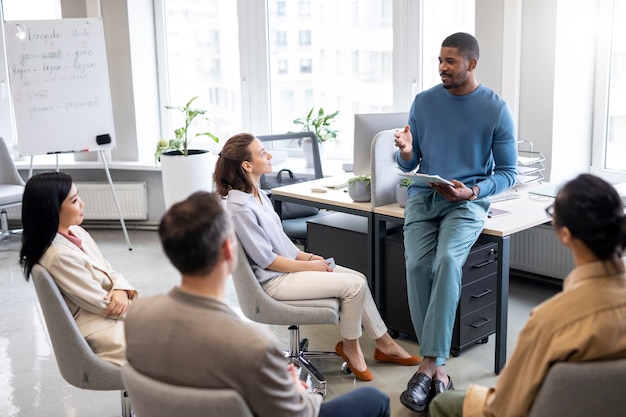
{"points": [[463, 132]]}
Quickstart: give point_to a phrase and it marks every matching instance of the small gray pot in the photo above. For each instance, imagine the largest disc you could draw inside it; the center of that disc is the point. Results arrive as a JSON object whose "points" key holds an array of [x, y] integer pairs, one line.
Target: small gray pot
{"points": [[402, 195], [360, 191]]}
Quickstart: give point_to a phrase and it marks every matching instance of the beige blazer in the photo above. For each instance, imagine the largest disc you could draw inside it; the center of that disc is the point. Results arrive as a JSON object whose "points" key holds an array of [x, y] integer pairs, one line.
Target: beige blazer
{"points": [[84, 278]]}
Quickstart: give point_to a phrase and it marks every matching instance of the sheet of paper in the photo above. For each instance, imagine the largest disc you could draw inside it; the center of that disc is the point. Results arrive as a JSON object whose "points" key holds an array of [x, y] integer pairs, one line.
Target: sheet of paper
{"points": [[424, 179]]}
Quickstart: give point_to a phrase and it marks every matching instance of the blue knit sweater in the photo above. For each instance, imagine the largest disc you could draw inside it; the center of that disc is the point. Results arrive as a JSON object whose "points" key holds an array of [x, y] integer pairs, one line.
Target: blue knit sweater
{"points": [[469, 138]]}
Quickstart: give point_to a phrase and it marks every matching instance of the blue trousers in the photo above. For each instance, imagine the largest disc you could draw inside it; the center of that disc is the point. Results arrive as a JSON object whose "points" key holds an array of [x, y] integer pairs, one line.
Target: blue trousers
{"points": [[438, 236], [361, 402]]}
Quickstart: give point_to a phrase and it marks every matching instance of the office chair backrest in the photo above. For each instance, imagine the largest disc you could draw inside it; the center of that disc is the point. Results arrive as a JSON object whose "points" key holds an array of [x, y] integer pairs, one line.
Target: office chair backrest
{"points": [[8, 171], [582, 389], [153, 398], [384, 169], [257, 306], [317, 163], [77, 362]]}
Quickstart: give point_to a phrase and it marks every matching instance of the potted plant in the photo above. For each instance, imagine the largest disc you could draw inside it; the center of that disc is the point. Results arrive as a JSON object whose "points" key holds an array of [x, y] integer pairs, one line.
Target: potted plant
{"points": [[360, 188], [184, 170], [402, 191], [319, 123]]}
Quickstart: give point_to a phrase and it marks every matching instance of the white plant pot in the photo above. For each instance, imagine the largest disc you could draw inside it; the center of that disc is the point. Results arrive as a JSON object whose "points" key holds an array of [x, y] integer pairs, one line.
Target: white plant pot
{"points": [[307, 150], [184, 175]]}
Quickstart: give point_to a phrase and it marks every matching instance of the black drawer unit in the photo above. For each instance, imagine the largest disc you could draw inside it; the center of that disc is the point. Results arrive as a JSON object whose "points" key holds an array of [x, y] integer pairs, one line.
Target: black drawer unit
{"points": [[476, 312], [344, 237]]}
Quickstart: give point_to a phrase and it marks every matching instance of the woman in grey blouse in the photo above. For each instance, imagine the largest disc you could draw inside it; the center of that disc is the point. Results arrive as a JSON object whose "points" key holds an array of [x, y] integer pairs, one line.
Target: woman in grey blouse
{"points": [[286, 272]]}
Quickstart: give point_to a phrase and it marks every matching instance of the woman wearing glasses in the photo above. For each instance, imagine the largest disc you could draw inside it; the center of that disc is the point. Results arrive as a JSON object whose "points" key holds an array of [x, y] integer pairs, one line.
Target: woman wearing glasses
{"points": [[585, 322]]}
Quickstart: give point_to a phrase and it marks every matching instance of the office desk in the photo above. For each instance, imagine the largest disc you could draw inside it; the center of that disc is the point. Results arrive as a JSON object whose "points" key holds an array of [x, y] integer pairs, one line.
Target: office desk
{"points": [[526, 212]]}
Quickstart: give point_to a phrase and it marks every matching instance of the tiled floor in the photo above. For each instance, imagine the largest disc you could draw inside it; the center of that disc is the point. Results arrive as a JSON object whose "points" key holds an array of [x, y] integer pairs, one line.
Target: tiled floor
{"points": [[30, 383]]}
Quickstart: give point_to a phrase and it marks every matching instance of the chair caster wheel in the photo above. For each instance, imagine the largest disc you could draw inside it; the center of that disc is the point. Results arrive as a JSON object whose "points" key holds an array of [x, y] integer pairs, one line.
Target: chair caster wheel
{"points": [[345, 368]]}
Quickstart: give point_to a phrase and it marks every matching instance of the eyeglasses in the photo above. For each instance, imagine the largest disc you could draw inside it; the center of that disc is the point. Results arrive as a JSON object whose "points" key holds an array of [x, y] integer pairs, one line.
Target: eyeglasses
{"points": [[550, 210]]}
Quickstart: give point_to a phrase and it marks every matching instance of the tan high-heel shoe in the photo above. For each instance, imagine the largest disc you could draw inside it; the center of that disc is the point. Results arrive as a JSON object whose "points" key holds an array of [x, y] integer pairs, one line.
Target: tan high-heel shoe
{"points": [[365, 375]]}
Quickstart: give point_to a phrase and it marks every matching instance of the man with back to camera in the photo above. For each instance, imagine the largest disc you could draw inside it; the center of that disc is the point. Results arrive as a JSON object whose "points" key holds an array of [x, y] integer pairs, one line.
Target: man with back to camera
{"points": [[463, 132], [190, 337]]}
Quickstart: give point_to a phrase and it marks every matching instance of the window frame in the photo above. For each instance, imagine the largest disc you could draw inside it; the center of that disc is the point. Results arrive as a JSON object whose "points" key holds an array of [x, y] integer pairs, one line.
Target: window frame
{"points": [[601, 96]]}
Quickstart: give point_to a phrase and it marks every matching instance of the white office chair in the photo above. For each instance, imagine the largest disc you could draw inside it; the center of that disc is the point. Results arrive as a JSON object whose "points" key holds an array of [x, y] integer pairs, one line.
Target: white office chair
{"points": [[77, 362], [11, 189], [261, 308]]}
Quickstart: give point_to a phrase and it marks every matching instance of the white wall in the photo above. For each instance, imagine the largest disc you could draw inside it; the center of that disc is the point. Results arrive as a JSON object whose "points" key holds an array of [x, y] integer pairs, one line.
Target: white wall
{"points": [[574, 57], [556, 96], [498, 31]]}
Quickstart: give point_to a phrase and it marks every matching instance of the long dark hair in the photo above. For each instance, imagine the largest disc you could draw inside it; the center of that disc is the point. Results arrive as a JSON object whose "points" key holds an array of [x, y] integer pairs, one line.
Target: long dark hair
{"points": [[593, 211], [229, 174], [41, 205]]}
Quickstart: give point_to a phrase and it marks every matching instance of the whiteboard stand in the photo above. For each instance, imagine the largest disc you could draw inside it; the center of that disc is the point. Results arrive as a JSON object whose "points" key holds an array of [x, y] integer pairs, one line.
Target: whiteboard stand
{"points": [[117, 201]]}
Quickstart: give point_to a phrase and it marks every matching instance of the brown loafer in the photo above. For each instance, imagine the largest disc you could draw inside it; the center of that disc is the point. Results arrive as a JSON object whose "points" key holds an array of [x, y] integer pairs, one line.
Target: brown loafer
{"points": [[383, 357], [365, 375]]}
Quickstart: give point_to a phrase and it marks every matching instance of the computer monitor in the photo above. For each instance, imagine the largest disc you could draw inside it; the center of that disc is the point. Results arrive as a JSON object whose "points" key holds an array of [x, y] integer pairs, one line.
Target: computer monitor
{"points": [[366, 126]]}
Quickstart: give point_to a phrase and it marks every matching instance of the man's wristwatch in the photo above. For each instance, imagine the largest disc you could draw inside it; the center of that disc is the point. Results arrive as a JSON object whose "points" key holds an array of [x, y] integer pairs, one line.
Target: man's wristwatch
{"points": [[474, 196]]}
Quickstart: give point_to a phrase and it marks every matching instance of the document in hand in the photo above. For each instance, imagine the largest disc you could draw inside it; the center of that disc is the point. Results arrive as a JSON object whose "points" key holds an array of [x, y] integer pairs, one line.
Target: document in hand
{"points": [[424, 179]]}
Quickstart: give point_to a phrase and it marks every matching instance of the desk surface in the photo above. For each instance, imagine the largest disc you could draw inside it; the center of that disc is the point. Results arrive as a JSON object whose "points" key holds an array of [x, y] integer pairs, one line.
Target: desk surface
{"points": [[334, 196], [526, 212]]}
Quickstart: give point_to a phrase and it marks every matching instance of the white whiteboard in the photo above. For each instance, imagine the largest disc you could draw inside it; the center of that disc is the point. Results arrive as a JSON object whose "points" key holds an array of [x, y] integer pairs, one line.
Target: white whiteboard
{"points": [[59, 85]]}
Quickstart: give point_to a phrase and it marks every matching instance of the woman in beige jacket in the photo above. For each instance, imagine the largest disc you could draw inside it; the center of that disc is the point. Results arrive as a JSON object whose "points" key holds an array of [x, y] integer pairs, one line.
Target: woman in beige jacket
{"points": [[97, 296]]}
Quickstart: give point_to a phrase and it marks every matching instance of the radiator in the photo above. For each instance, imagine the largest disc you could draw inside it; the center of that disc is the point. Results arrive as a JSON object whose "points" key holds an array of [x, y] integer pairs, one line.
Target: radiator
{"points": [[100, 204], [538, 250]]}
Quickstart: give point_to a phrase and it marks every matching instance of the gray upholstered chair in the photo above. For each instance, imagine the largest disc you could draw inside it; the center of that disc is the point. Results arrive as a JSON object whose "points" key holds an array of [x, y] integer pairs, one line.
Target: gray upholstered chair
{"points": [[384, 169], [78, 364], [11, 189], [261, 308], [153, 398], [573, 389]]}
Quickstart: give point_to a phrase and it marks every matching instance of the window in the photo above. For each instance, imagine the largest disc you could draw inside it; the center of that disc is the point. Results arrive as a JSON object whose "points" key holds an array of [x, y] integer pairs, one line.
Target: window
{"points": [[327, 79], [440, 20], [281, 8], [202, 59], [352, 76], [609, 156], [306, 66], [304, 38], [283, 66], [31, 9], [304, 8]]}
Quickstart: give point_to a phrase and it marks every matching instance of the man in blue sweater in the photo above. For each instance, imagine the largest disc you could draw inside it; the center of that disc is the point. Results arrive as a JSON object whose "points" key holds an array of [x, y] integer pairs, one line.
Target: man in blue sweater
{"points": [[463, 132]]}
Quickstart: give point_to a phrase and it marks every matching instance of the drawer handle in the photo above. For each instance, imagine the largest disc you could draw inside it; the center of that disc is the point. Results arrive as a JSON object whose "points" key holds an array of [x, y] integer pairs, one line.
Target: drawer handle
{"points": [[482, 294], [484, 263], [480, 323]]}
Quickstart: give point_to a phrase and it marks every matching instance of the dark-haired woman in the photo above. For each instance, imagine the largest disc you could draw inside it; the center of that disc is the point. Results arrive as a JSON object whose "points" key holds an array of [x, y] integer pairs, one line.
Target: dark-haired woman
{"points": [[585, 322], [287, 273], [97, 296]]}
